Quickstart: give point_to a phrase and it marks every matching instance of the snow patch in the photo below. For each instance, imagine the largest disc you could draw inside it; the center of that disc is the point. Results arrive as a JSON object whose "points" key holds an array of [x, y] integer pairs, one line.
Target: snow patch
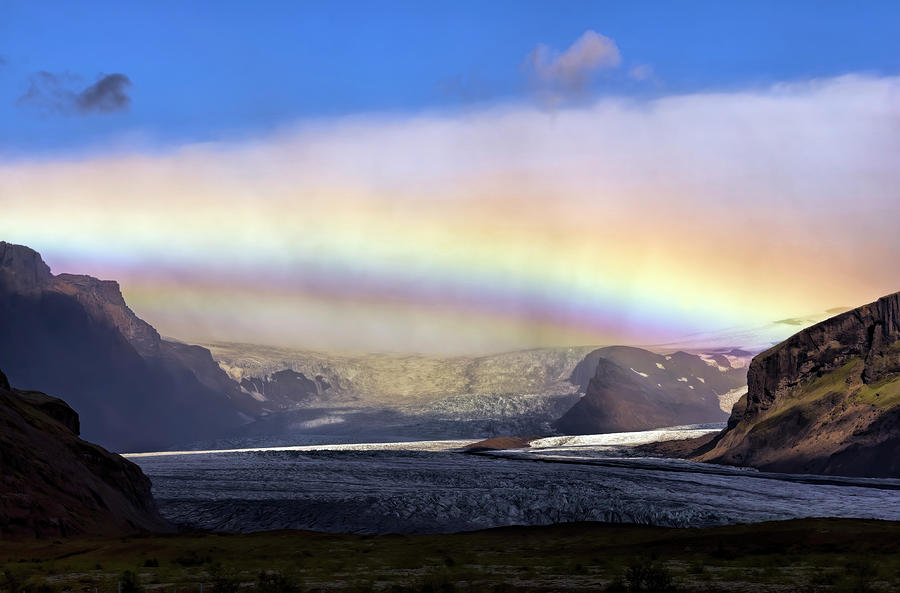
{"points": [[660, 366], [727, 400], [390, 446], [619, 438], [645, 375], [683, 380], [737, 362], [254, 394], [234, 372], [317, 422], [712, 362]]}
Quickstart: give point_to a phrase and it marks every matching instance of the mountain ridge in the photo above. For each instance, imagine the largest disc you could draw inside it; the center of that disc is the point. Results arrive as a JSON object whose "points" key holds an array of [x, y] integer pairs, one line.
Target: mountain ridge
{"points": [[636, 389], [74, 335]]}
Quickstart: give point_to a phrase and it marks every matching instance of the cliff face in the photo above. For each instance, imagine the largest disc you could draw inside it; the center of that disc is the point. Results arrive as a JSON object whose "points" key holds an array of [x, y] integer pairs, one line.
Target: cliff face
{"points": [[826, 400], [54, 484], [103, 300], [75, 336]]}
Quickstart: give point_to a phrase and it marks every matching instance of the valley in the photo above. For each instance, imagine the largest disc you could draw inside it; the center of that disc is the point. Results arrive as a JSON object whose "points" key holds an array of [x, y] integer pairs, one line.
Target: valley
{"points": [[449, 297], [75, 336]]}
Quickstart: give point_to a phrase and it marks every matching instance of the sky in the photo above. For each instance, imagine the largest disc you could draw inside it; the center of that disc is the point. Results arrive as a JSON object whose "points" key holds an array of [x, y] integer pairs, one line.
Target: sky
{"points": [[459, 177]]}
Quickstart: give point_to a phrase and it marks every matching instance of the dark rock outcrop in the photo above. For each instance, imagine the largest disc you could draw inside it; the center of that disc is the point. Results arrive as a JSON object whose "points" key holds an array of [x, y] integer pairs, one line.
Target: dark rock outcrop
{"points": [[826, 400], [103, 301], [285, 385], [75, 336], [54, 484], [635, 389]]}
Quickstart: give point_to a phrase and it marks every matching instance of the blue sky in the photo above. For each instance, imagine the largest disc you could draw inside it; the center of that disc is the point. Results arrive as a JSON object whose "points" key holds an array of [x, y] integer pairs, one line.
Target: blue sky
{"points": [[210, 70]]}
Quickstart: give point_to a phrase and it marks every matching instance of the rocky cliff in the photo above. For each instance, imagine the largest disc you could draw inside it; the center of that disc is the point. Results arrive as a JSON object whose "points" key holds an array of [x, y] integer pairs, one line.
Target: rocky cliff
{"points": [[75, 336], [54, 484], [826, 400]]}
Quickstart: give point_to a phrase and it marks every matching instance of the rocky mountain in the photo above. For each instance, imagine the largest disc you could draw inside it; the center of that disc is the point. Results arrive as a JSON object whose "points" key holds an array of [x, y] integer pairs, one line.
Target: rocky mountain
{"points": [[635, 389], [826, 400], [75, 336], [391, 378], [382, 396], [55, 484]]}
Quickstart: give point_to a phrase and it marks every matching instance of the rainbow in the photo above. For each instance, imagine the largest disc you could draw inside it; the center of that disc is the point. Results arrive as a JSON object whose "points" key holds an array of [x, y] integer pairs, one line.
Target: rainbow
{"points": [[394, 235]]}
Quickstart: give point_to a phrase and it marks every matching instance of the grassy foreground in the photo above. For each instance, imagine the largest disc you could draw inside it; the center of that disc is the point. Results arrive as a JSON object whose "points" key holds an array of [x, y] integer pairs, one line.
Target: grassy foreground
{"points": [[803, 555]]}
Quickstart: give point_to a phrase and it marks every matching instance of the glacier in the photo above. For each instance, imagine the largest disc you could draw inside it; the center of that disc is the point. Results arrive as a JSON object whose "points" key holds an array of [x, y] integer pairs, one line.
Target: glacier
{"points": [[436, 487]]}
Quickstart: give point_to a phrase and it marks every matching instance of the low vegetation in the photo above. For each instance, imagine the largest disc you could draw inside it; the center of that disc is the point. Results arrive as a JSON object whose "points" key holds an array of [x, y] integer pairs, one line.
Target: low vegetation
{"points": [[810, 556]]}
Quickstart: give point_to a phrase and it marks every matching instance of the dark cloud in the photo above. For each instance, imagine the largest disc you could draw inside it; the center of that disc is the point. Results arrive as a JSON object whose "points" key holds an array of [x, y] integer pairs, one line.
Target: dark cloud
{"points": [[59, 93], [49, 92], [793, 321], [106, 95]]}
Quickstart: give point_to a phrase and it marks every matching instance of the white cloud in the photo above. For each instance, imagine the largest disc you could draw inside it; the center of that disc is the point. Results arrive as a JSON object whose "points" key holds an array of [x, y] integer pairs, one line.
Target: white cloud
{"points": [[641, 72]]}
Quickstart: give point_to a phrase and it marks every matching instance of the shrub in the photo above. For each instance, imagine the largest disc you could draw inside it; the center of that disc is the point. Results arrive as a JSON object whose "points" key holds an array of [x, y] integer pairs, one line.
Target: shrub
{"points": [[275, 583], [223, 581], [11, 583], [649, 577], [192, 559], [130, 582], [643, 577]]}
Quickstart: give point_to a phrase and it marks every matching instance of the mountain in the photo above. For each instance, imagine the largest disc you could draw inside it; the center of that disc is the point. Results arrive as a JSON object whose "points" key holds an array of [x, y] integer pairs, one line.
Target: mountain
{"points": [[826, 400], [391, 378], [402, 396], [55, 484], [630, 388], [75, 336]]}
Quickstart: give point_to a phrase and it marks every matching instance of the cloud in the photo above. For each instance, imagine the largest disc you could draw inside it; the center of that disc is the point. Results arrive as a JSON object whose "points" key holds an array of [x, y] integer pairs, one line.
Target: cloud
{"points": [[106, 95], [793, 321], [572, 69], [470, 88], [49, 92], [59, 93]]}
